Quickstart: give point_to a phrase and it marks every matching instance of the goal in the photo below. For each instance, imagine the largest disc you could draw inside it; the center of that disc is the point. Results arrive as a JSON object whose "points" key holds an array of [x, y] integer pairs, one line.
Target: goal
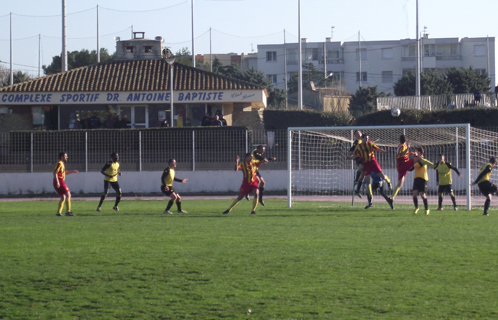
{"points": [[318, 168]]}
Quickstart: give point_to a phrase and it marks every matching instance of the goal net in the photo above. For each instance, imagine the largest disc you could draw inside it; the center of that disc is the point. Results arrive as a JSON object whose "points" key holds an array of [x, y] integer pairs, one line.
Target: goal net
{"points": [[319, 170]]}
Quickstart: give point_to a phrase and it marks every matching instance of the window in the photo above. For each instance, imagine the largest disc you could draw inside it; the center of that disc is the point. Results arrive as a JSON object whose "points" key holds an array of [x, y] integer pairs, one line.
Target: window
{"points": [[482, 72], [129, 49], [387, 76], [272, 78], [310, 54], [479, 51], [363, 54], [387, 53], [363, 76], [292, 56], [409, 51], [271, 56], [148, 49]]}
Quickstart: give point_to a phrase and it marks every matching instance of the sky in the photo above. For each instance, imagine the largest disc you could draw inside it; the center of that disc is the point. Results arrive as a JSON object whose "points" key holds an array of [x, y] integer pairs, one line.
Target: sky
{"points": [[237, 26]]}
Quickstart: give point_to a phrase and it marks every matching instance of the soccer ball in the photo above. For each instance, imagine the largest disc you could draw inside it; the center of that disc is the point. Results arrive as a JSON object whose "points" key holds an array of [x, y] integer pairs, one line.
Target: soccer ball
{"points": [[395, 112]]}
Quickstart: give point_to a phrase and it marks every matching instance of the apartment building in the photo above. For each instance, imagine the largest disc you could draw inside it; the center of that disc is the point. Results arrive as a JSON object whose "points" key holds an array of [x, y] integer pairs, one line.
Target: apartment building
{"points": [[377, 63]]}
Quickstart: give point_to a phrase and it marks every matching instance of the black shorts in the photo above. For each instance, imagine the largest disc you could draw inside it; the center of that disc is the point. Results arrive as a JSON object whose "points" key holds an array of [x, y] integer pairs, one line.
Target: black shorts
{"points": [[169, 192], [420, 185], [114, 185], [445, 189], [487, 187]]}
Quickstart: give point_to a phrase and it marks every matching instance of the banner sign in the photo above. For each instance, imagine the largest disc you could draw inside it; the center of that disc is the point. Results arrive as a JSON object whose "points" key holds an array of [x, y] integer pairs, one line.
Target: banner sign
{"points": [[152, 97]]}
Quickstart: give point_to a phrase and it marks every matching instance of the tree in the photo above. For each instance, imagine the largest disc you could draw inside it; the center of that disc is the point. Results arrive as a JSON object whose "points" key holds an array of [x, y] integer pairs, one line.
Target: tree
{"points": [[76, 59], [18, 77], [433, 84], [364, 101], [183, 56], [467, 80], [455, 80]]}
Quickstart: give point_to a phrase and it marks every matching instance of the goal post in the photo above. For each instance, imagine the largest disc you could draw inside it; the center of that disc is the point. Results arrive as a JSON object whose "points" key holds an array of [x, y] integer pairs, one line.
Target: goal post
{"points": [[319, 171]]}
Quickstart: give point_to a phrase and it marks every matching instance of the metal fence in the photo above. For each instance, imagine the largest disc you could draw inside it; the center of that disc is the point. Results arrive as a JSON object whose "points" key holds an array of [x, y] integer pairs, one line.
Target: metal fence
{"points": [[194, 149], [437, 102]]}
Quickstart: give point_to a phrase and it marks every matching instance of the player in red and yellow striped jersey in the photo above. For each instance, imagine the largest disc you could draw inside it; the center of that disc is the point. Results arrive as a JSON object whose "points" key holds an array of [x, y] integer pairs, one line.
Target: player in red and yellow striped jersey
{"points": [[403, 163], [485, 186], [250, 182], [365, 151], [60, 185]]}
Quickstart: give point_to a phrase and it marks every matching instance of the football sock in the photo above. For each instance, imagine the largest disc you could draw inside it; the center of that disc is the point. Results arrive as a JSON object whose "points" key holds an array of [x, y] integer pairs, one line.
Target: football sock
{"points": [[369, 190], [261, 191], [358, 175], [486, 205], [453, 199], [387, 179], [234, 203], [254, 203], [101, 200], [415, 202], [68, 204], [170, 203], [440, 201], [426, 205], [61, 205], [369, 199], [395, 192], [118, 198], [179, 205]]}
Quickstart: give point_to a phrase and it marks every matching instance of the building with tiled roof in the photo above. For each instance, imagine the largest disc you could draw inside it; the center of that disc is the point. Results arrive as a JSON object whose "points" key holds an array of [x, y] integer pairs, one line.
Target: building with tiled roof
{"points": [[135, 84]]}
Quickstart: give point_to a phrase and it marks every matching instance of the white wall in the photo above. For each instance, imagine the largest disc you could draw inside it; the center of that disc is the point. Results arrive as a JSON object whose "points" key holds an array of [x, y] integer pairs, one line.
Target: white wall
{"points": [[136, 182]]}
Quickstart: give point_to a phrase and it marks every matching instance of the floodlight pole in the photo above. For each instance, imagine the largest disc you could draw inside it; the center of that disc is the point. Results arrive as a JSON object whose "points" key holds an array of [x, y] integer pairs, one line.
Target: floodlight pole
{"points": [[171, 62]]}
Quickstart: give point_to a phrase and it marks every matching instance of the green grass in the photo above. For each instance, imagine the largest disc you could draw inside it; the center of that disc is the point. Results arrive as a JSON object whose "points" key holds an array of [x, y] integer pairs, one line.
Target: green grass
{"points": [[313, 261]]}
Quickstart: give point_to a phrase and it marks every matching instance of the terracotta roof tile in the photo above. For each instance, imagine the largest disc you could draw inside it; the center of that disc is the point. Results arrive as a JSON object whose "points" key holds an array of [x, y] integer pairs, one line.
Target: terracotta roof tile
{"points": [[133, 75]]}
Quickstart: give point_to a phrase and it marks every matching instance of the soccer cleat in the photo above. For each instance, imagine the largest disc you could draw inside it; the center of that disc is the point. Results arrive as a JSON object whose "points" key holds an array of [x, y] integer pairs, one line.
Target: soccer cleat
{"points": [[69, 214], [415, 211], [58, 214], [98, 209], [115, 208], [357, 193], [253, 212], [485, 214], [390, 201], [440, 209], [455, 208], [167, 212], [226, 211], [427, 211], [247, 197], [368, 206], [182, 211], [261, 202]]}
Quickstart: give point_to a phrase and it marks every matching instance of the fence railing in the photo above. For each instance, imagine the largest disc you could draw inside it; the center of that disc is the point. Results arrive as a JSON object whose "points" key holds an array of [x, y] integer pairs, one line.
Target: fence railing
{"points": [[194, 149], [436, 102]]}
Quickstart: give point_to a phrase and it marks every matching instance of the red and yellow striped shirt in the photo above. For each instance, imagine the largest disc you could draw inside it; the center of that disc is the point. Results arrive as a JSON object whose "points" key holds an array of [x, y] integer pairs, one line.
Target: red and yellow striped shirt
{"points": [[249, 170], [402, 152], [366, 152], [60, 170]]}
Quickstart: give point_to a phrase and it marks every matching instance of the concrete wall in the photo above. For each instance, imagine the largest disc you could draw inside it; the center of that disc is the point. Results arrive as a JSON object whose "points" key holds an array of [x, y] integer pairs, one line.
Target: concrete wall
{"points": [[136, 182]]}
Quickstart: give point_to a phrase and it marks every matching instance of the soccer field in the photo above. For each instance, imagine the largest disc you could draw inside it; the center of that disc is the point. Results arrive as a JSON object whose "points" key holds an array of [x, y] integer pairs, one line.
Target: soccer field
{"points": [[315, 260]]}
